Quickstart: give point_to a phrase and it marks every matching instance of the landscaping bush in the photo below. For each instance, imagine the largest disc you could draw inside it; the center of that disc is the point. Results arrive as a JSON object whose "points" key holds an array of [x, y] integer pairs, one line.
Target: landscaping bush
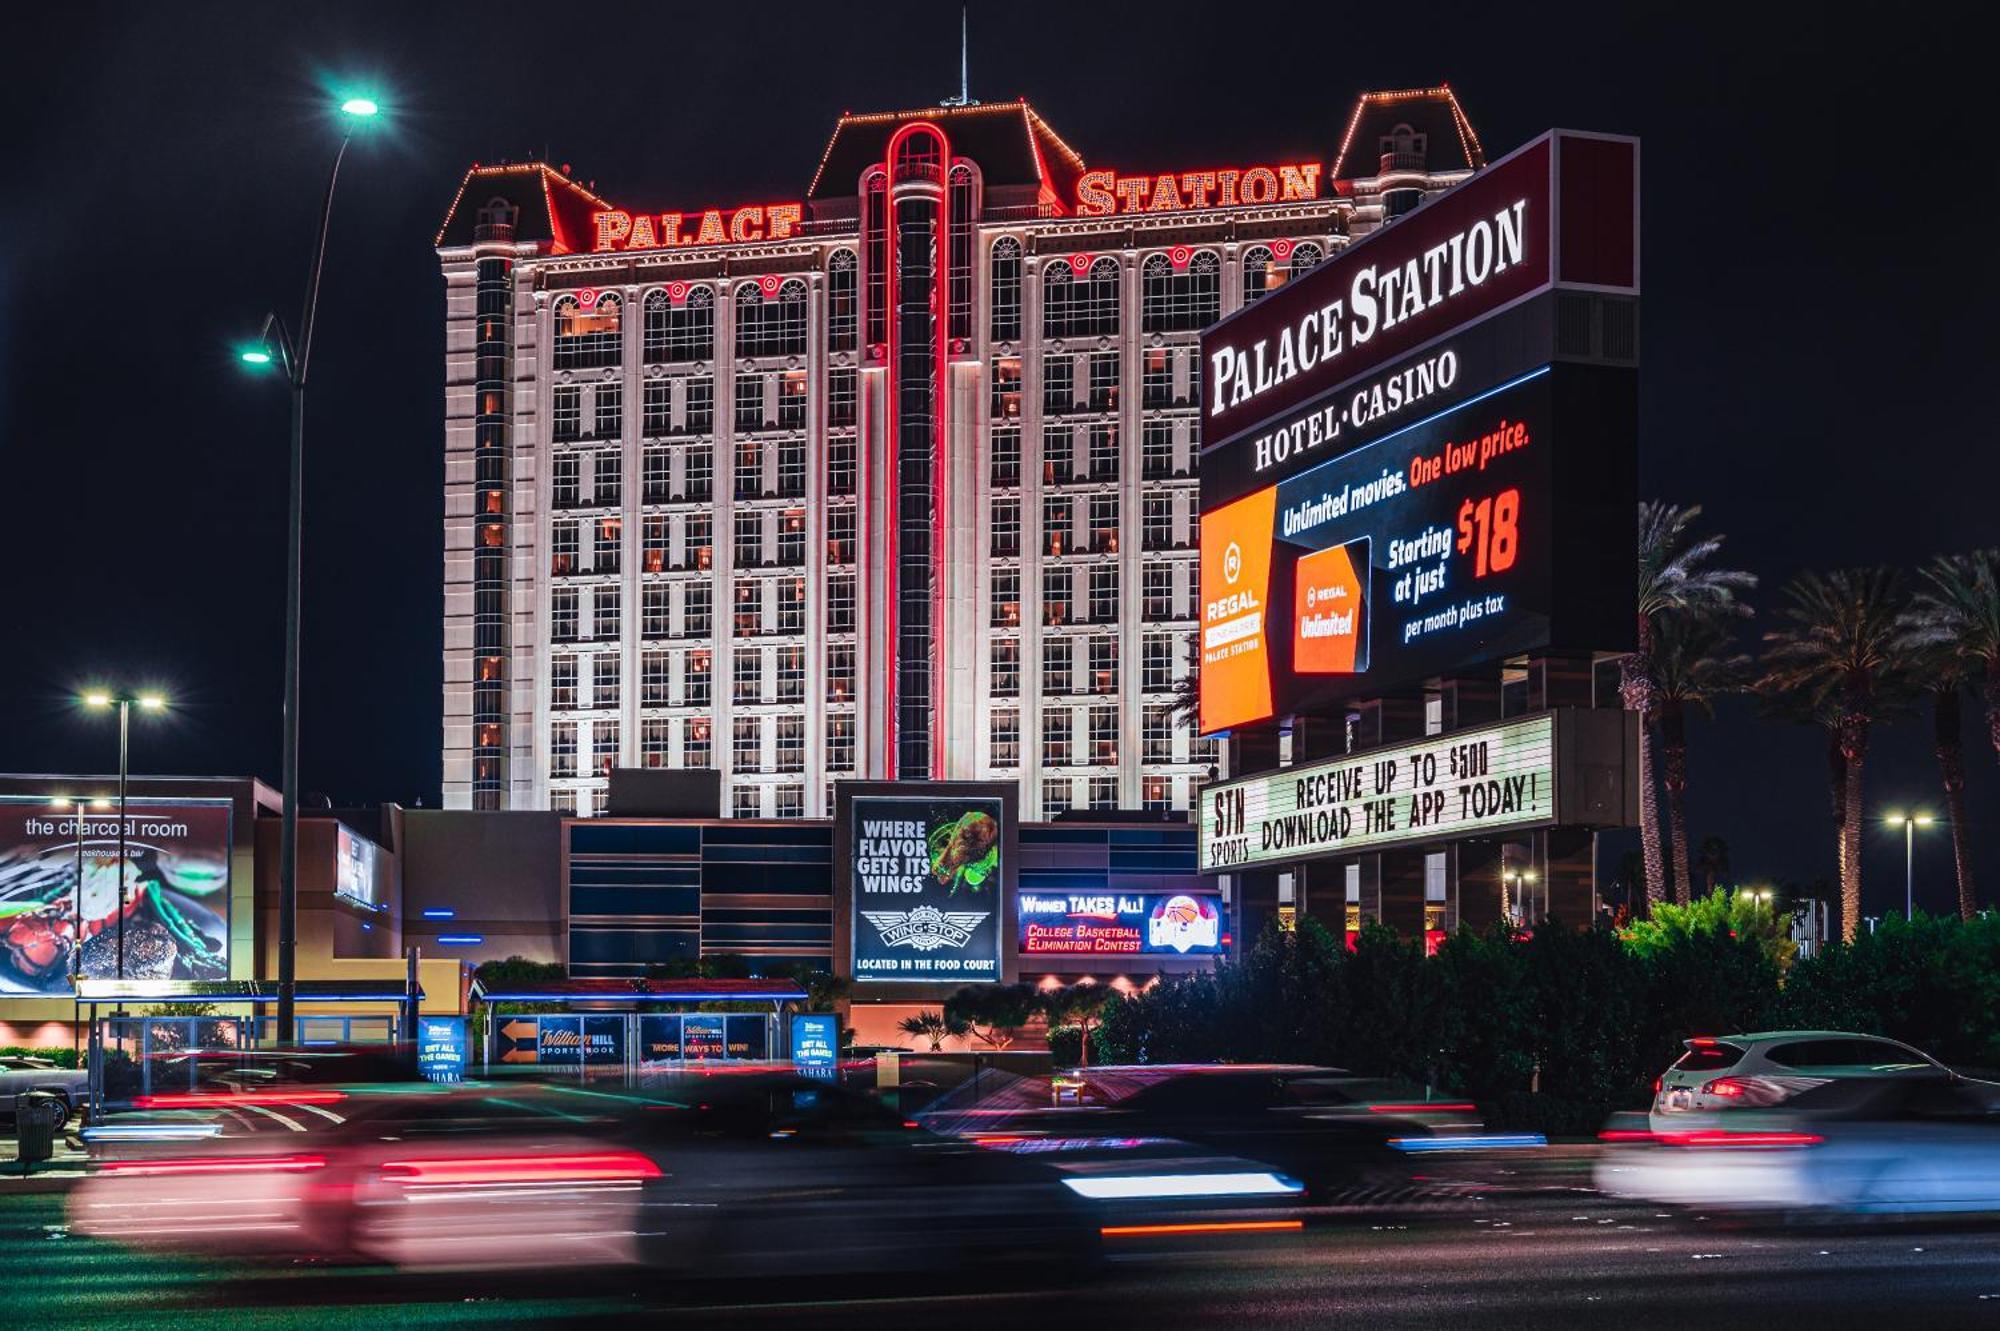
{"points": [[1552, 1031], [59, 1054]]}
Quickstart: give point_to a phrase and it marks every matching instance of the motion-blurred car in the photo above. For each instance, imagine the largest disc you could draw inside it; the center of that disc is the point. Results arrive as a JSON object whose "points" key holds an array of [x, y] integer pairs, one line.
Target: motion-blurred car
{"points": [[22, 1073], [445, 1178], [1317, 1134], [1811, 1121], [1817, 1074], [777, 1174]]}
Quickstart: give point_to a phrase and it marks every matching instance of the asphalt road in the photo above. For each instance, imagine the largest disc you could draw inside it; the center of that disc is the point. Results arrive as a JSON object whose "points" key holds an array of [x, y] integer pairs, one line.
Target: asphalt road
{"points": [[1569, 1261]]}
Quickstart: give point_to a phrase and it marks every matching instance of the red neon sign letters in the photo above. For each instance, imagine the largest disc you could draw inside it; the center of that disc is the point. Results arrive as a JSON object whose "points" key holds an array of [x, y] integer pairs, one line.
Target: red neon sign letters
{"points": [[1101, 193], [620, 230]]}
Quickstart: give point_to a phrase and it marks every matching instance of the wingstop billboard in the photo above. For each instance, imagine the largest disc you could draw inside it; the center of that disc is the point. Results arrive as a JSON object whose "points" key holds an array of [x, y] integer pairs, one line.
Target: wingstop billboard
{"points": [[928, 874]]}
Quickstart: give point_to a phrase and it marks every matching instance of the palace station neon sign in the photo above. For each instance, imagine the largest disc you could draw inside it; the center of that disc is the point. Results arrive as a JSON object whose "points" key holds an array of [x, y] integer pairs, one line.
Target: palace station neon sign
{"points": [[1102, 193], [1098, 194], [619, 230]]}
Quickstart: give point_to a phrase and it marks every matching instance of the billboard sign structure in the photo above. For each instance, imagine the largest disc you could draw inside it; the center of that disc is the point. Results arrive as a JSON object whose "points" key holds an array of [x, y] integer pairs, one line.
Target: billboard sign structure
{"points": [[1160, 924], [815, 1039], [354, 868], [927, 877], [1493, 779], [176, 878], [441, 1048], [1415, 463]]}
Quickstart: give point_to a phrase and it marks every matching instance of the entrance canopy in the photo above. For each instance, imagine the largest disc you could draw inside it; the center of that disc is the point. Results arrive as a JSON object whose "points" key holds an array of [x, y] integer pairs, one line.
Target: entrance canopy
{"points": [[252, 992], [599, 991]]}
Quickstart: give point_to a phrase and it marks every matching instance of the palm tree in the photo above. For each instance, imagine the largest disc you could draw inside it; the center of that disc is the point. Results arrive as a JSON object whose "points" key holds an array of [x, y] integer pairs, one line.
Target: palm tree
{"points": [[1675, 576], [1841, 648], [1713, 860], [1693, 665], [1953, 627], [932, 1026], [1957, 607]]}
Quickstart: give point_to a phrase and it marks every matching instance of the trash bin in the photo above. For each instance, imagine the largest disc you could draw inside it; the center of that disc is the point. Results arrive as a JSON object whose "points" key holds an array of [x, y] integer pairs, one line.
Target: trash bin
{"points": [[37, 1115]]}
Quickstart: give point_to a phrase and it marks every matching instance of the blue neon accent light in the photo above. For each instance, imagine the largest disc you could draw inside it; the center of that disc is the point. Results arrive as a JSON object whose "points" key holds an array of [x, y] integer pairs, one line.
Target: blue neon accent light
{"points": [[440, 914], [461, 940]]}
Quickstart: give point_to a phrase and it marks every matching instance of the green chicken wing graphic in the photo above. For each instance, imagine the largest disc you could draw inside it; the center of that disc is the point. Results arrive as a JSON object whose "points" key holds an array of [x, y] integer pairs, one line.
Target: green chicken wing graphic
{"points": [[965, 852]]}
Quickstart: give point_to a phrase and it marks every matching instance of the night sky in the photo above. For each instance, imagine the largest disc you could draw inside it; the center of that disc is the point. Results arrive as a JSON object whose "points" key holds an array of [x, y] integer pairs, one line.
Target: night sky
{"points": [[1817, 265]]}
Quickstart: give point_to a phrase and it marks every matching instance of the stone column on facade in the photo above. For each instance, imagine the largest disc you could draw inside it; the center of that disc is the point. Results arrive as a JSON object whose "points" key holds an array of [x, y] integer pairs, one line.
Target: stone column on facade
{"points": [[631, 492], [722, 599], [528, 444], [1131, 343], [1032, 535], [818, 365]]}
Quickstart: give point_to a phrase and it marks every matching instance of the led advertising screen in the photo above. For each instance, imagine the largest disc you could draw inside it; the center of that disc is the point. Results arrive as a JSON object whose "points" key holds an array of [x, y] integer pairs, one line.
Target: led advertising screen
{"points": [[354, 868], [1491, 779], [927, 877], [176, 875], [1491, 528], [815, 1039], [1171, 924]]}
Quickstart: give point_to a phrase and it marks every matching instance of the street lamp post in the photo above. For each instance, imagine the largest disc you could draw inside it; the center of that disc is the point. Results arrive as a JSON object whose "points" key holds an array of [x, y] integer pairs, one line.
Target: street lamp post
{"points": [[294, 357], [77, 805], [151, 702], [1910, 822]]}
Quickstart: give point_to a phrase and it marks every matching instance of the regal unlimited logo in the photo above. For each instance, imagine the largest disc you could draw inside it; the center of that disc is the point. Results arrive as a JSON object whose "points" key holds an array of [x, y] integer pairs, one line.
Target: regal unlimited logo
{"points": [[926, 928], [1232, 563]]}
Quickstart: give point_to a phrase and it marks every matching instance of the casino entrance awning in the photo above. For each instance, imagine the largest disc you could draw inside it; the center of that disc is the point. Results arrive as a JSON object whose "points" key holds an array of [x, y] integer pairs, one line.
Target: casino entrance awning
{"points": [[615, 992]]}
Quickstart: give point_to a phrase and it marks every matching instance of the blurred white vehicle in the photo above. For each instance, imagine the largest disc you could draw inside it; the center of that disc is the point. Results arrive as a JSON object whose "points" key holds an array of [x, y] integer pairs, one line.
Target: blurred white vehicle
{"points": [[1821, 1074], [1811, 1121]]}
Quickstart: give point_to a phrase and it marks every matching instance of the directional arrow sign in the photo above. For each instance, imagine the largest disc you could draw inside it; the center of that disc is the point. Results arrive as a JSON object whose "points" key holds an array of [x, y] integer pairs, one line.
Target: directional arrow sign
{"points": [[518, 1056], [520, 1030]]}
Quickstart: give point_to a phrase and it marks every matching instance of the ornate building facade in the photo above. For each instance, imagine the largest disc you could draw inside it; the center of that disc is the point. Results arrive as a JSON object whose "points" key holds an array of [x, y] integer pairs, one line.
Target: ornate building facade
{"points": [[896, 481]]}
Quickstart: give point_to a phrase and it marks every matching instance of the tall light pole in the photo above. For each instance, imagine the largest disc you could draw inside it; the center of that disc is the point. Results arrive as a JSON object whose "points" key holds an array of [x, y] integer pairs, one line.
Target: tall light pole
{"points": [[151, 702], [78, 805], [294, 357], [1910, 823]]}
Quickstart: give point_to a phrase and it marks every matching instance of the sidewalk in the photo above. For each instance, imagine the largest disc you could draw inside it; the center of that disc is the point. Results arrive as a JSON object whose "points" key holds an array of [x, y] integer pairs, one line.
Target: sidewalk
{"points": [[59, 1173]]}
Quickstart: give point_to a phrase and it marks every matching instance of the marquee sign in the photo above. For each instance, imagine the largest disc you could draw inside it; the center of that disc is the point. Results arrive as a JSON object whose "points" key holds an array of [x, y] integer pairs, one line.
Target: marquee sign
{"points": [[1174, 924], [1560, 210], [1492, 779], [1102, 193], [617, 230]]}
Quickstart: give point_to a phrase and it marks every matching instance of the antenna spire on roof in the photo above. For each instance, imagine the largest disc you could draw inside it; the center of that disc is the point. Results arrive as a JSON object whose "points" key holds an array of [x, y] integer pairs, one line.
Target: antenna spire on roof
{"points": [[964, 97]]}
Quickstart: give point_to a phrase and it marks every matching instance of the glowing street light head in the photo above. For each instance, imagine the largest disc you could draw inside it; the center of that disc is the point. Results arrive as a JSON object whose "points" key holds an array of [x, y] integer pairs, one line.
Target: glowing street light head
{"points": [[360, 107], [96, 698], [254, 356], [152, 702], [1923, 820]]}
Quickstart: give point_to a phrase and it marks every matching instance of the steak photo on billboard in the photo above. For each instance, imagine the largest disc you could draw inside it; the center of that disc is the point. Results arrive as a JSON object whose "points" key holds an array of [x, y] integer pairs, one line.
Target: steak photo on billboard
{"points": [[927, 880], [176, 876]]}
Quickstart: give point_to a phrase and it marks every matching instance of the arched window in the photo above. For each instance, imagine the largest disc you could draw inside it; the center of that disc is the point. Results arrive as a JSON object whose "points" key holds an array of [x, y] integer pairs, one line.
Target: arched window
{"points": [[1180, 300], [1260, 274], [682, 330], [1080, 304], [587, 331], [843, 301], [1264, 271], [1006, 266], [774, 325], [964, 215], [875, 237]]}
